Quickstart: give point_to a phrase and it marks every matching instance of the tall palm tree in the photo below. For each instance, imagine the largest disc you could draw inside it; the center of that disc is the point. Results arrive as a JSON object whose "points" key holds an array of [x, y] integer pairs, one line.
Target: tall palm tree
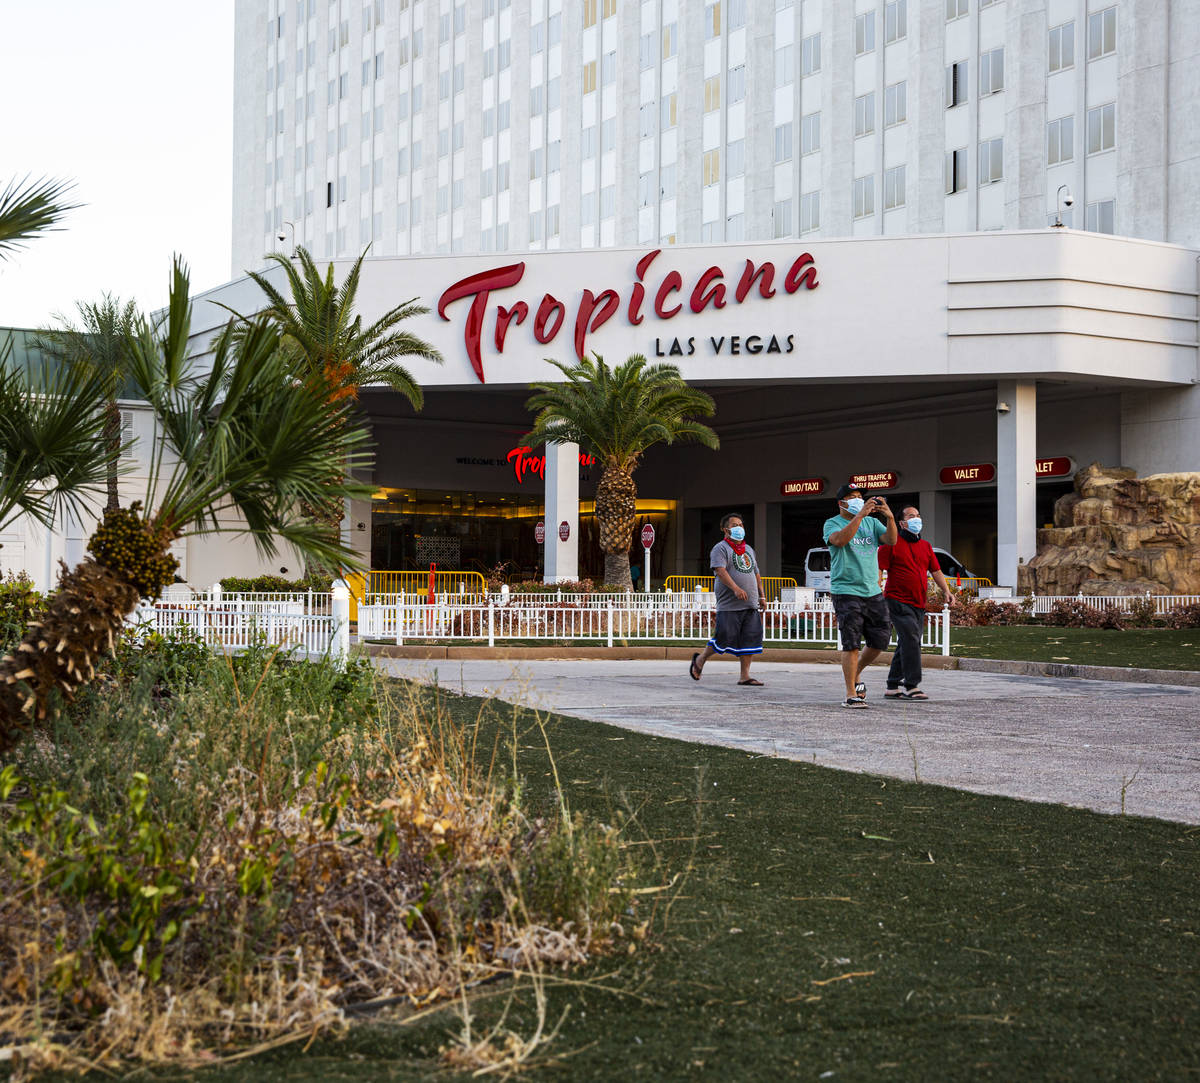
{"points": [[28, 208], [246, 437], [100, 342], [617, 415], [327, 340]]}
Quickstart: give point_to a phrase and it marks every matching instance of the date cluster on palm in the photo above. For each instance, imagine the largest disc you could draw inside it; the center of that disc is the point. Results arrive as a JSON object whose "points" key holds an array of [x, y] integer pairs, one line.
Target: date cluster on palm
{"points": [[81, 620]]}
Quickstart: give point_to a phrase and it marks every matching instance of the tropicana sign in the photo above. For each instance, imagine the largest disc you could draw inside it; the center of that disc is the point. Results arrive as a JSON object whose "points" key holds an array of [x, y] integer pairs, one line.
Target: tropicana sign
{"points": [[592, 310]]}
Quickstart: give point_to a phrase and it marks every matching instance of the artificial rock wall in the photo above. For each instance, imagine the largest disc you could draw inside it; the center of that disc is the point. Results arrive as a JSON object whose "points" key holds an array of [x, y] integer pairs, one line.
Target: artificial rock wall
{"points": [[1120, 534]]}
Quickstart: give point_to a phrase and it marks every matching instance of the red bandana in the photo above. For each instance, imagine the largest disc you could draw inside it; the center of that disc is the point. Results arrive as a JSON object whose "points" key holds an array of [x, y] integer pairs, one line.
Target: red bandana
{"points": [[737, 547]]}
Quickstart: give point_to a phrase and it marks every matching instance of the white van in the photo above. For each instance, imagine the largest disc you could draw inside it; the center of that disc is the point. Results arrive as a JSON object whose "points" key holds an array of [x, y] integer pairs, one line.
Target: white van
{"points": [[817, 570]]}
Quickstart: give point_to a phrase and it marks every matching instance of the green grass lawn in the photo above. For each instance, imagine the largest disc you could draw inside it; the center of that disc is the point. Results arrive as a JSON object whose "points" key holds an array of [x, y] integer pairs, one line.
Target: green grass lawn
{"points": [[832, 925], [1148, 648]]}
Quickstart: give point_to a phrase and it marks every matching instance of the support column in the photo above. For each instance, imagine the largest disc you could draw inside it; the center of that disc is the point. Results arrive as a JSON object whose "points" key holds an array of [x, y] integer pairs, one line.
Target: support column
{"points": [[935, 514], [1016, 477], [562, 505]]}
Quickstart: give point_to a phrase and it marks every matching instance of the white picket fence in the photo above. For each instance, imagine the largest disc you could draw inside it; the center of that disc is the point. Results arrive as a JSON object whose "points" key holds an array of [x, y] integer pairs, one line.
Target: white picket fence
{"points": [[1163, 603], [311, 625], [609, 624]]}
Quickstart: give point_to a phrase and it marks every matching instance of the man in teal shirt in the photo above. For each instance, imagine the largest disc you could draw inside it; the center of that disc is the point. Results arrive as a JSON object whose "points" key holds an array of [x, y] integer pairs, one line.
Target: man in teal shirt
{"points": [[854, 537]]}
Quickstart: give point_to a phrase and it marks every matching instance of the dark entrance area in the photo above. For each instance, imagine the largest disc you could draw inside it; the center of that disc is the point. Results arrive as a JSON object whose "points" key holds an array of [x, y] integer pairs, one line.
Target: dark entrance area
{"points": [[801, 522]]}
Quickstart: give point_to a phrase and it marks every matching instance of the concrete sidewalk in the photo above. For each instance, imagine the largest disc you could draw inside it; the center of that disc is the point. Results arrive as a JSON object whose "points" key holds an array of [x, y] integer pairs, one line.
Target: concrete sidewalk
{"points": [[1078, 742]]}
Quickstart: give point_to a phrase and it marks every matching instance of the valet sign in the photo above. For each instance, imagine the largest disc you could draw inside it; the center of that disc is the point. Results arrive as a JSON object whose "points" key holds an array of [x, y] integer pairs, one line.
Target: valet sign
{"points": [[493, 304]]}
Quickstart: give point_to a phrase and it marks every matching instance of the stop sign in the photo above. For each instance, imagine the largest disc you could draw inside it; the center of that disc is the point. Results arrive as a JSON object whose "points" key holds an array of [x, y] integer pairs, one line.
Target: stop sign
{"points": [[647, 536], [539, 533], [564, 530]]}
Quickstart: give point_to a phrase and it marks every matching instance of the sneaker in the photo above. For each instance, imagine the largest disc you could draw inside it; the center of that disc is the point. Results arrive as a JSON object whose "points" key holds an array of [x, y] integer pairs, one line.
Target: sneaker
{"points": [[856, 704]]}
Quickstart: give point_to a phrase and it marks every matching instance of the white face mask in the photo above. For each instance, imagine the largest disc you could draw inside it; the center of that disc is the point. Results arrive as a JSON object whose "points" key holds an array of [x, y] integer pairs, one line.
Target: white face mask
{"points": [[737, 533], [914, 524], [854, 505]]}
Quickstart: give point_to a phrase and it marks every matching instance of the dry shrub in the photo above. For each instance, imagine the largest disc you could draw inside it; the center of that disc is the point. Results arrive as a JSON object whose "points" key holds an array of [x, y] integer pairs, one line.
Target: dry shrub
{"points": [[274, 864], [1076, 613]]}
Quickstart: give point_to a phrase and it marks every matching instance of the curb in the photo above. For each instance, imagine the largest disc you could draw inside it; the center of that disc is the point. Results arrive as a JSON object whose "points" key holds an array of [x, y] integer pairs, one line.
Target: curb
{"points": [[1185, 678]]}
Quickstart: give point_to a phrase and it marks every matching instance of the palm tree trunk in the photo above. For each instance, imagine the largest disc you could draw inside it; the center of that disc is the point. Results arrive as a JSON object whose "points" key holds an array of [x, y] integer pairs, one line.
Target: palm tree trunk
{"points": [[59, 653], [616, 516], [112, 440]]}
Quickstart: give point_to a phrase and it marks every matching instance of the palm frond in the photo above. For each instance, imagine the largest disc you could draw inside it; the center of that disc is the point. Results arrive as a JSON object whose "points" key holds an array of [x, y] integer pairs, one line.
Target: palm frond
{"points": [[28, 208]]}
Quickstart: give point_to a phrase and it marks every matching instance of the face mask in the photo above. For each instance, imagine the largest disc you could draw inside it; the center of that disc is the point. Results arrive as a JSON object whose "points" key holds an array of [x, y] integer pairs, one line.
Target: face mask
{"points": [[737, 533], [914, 524], [854, 505]]}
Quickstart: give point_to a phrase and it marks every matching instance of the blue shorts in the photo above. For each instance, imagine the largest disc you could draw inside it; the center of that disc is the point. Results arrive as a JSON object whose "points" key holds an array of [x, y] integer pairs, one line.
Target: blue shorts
{"points": [[738, 631]]}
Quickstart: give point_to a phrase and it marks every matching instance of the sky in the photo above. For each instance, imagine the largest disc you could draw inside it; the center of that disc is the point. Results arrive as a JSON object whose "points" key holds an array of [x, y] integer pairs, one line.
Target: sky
{"points": [[132, 100]]}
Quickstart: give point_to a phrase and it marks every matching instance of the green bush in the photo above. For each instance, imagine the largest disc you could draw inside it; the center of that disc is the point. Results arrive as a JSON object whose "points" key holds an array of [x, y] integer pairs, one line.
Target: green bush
{"points": [[267, 584], [18, 604]]}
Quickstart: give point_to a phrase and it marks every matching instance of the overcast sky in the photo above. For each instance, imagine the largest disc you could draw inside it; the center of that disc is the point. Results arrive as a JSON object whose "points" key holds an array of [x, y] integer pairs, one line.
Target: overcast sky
{"points": [[133, 101]]}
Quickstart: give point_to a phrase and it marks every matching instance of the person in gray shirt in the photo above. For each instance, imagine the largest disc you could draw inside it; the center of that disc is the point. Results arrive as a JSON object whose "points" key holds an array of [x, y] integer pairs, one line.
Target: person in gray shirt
{"points": [[740, 602]]}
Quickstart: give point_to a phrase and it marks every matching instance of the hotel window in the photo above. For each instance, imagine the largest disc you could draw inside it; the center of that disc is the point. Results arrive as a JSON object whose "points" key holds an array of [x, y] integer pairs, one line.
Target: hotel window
{"points": [[460, 77], [711, 168], [712, 20], [991, 71], [443, 142], [608, 201], [647, 119], [667, 112], [735, 158], [552, 217], [416, 154], [646, 189], [485, 182], [991, 161], [810, 55], [587, 142], [1060, 140], [535, 163], [956, 171], [554, 156], [735, 227], [608, 135], [457, 193], [810, 133], [955, 9], [444, 28], [864, 114], [712, 94], [785, 69], [737, 14], [504, 53], [608, 8], [646, 53], [893, 188], [783, 218], [460, 19], [589, 77], [895, 21], [443, 85], [489, 62], [537, 96], [502, 177], [1062, 47], [895, 104], [1102, 34], [459, 134], [488, 123], [589, 12], [537, 37], [608, 68], [783, 142], [1101, 128], [503, 111], [864, 197], [736, 84], [1100, 216], [864, 33], [554, 33], [535, 227], [956, 84], [810, 211], [670, 42], [666, 181], [418, 93]]}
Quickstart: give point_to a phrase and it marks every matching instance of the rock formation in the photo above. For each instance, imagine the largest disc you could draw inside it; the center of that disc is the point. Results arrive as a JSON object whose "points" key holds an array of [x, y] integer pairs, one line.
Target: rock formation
{"points": [[1120, 534]]}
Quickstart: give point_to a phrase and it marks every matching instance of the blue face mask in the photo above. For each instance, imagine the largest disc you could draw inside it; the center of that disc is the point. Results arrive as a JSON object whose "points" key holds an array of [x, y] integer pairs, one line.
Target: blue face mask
{"points": [[854, 505], [737, 533], [914, 524]]}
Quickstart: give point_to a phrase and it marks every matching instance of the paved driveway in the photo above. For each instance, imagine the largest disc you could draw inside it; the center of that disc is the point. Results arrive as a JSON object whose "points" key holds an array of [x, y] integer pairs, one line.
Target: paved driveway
{"points": [[1079, 742]]}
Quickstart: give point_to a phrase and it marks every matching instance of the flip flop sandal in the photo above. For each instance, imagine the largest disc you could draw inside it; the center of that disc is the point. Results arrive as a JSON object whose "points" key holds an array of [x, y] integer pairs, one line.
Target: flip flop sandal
{"points": [[693, 672], [860, 690], [893, 693], [916, 693], [751, 680], [855, 704]]}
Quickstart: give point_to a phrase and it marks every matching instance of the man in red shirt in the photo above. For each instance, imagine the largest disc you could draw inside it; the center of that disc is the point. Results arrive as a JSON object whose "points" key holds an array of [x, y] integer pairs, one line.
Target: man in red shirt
{"points": [[908, 563]]}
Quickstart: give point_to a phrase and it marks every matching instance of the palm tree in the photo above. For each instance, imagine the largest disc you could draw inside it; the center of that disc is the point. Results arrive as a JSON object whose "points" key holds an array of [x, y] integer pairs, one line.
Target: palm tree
{"points": [[246, 437], [101, 342], [28, 208], [328, 342], [617, 414], [52, 452]]}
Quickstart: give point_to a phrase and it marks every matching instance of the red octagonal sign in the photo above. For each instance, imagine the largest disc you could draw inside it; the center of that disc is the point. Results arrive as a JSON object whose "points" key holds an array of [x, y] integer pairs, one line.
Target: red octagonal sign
{"points": [[647, 536], [539, 533], [564, 530]]}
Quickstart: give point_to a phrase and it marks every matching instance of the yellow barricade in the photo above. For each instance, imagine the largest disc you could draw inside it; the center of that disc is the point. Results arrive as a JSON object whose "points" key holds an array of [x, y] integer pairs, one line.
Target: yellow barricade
{"points": [[773, 585], [417, 582]]}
